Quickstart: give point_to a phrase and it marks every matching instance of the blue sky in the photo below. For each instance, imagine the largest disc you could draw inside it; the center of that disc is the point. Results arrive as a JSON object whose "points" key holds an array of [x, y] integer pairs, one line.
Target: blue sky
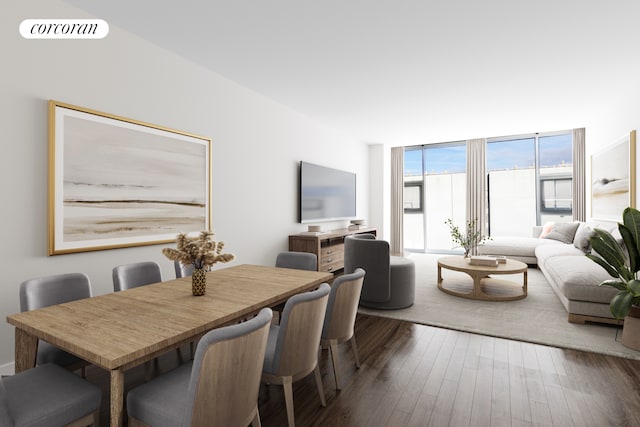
{"points": [[512, 154]]}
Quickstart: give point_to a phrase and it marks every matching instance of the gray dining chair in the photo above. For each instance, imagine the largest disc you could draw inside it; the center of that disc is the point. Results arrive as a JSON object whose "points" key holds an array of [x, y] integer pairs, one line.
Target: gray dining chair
{"points": [[219, 388], [51, 290], [130, 276], [183, 270], [292, 349], [48, 395], [390, 280], [297, 260], [340, 318]]}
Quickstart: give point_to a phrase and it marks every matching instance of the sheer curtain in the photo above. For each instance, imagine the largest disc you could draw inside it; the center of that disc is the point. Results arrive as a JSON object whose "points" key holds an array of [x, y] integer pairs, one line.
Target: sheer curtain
{"points": [[579, 176], [396, 244], [476, 183]]}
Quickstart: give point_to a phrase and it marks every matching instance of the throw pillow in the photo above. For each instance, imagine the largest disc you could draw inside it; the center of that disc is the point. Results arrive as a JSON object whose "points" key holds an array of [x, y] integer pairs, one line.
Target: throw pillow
{"points": [[546, 229], [563, 232], [581, 241]]}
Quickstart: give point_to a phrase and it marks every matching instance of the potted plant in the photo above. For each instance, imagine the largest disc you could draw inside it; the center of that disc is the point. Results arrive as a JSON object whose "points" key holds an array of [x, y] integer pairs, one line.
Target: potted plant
{"points": [[469, 239], [623, 267], [203, 252]]}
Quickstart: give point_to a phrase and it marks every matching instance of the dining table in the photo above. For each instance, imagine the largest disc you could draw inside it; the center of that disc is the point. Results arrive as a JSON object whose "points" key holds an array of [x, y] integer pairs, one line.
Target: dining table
{"points": [[121, 330]]}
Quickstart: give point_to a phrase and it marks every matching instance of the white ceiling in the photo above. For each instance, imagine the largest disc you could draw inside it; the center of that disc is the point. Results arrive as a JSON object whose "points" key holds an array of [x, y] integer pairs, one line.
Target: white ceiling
{"points": [[407, 71]]}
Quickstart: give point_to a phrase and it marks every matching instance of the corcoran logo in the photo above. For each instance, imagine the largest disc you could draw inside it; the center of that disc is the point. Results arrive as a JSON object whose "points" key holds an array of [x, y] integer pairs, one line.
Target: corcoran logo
{"points": [[64, 28]]}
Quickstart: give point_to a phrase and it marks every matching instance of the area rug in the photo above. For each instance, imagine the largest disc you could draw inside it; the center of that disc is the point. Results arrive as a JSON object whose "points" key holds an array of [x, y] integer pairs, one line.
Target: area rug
{"points": [[539, 318]]}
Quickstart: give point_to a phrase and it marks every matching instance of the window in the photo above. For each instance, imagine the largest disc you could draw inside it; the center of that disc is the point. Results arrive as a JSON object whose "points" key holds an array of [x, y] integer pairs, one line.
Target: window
{"points": [[434, 191], [556, 194], [412, 197], [529, 181]]}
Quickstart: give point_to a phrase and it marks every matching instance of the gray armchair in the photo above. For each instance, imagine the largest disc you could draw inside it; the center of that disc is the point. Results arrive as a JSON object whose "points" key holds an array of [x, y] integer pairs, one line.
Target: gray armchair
{"points": [[390, 280]]}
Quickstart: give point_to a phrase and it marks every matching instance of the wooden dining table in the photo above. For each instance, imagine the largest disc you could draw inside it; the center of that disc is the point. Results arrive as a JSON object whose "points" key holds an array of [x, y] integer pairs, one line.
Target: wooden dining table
{"points": [[121, 330]]}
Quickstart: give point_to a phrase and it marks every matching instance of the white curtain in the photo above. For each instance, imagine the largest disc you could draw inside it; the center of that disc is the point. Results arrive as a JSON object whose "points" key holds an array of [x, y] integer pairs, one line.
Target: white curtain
{"points": [[579, 176], [396, 244], [476, 183]]}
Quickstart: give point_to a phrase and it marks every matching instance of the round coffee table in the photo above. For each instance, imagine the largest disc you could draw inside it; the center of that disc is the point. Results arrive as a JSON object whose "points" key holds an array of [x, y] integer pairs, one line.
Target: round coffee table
{"points": [[483, 287]]}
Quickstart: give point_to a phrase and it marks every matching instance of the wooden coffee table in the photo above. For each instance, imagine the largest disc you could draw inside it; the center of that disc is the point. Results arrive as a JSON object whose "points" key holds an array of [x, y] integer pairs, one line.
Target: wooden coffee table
{"points": [[483, 287]]}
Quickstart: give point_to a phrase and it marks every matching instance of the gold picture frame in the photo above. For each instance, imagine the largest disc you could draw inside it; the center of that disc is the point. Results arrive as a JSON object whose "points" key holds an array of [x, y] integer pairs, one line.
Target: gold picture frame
{"points": [[115, 182], [613, 179]]}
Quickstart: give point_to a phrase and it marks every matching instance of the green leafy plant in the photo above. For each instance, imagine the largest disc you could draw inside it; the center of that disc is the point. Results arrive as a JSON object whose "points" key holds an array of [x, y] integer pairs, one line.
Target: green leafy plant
{"points": [[468, 239], [622, 266], [201, 251]]}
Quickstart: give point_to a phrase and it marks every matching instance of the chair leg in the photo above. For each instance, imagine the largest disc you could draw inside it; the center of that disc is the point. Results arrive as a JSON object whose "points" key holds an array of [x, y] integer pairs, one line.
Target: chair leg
{"points": [[147, 371], [192, 349], [180, 358], [354, 347], [333, 349], [316, 371], [288, 399], [96, 419], [256, 420]]}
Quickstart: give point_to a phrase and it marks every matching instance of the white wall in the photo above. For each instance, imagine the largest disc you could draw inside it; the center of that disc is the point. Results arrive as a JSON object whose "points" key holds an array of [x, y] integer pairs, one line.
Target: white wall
{"points": [[256, 150]]}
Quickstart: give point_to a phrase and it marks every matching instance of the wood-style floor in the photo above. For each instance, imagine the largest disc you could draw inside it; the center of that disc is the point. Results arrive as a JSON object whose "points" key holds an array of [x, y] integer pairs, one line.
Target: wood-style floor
{"points": [[415, 375]]}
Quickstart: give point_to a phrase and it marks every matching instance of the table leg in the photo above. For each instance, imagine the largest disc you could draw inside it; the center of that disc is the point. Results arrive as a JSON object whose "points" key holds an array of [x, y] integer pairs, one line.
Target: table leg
{"points": [[524, 285], [25, 351], [439, 273], [117, 397]]}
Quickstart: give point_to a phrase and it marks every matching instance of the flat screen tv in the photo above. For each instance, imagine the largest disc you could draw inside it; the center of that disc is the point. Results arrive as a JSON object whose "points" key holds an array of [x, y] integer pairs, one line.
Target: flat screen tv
{"points": [[326, 194]]}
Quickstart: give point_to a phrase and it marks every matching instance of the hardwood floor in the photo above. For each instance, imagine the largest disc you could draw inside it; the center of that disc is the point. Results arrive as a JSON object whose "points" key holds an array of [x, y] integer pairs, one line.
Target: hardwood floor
{"points": [[415, 375]]}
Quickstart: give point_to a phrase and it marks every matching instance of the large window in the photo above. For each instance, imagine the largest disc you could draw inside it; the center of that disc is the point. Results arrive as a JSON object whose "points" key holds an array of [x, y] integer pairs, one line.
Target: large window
{"points": [[435, 190], [529, 182]]}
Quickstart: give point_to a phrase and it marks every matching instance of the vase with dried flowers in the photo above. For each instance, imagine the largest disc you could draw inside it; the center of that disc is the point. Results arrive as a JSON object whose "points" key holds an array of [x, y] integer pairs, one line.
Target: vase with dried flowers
{"points": [[467, 239], [203, 252]]}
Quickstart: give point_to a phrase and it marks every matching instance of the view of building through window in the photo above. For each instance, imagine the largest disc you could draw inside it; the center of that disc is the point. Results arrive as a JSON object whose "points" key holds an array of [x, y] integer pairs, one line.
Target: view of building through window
{"points": [[435, 190], [529, 182]]}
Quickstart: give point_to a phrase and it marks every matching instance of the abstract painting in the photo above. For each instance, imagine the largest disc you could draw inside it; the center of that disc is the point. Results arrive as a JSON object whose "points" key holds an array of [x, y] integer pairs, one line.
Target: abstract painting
{"points": [[613, 178], [116, 182]]}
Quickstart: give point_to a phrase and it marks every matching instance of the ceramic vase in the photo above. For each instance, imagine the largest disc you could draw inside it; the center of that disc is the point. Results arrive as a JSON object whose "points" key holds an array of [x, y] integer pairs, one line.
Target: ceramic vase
{"points": [[199, 281]]}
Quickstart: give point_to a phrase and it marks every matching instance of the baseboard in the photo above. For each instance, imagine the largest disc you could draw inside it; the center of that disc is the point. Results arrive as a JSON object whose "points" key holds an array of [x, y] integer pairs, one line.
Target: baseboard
{"points": [[8, 369]]}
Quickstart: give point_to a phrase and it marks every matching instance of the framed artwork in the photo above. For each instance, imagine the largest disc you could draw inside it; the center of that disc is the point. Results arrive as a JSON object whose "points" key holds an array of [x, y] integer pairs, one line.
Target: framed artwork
{"points": [[613, 179], [116, 182]]}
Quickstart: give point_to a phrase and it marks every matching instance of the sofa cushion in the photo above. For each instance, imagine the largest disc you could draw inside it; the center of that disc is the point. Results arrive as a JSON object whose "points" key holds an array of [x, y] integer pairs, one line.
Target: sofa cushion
{"points": [[563, 232], [546, 229], [578, 278], [581, 239], [514, 246]]}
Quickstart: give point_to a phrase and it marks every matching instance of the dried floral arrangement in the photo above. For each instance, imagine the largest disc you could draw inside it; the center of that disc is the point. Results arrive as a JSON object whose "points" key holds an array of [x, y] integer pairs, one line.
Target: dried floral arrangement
{"points": [[201, 251], [467, 239]]}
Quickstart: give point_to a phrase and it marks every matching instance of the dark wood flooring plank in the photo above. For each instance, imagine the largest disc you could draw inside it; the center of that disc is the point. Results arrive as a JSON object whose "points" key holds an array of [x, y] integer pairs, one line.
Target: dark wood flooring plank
{"points": [[481, 407], [518, 395]]}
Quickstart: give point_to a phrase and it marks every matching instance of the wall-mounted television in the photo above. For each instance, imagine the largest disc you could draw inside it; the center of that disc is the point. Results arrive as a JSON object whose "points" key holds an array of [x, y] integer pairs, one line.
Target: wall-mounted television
{"points": [[326, 194]]}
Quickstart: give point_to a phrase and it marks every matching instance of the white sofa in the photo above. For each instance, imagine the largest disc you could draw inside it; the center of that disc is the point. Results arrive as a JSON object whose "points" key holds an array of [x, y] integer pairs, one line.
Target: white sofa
{"points": [[561, 259]]}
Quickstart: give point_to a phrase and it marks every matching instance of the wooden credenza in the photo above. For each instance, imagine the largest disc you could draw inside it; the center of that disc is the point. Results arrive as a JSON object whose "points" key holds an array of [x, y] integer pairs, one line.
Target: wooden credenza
{"points": [[328, 246]]}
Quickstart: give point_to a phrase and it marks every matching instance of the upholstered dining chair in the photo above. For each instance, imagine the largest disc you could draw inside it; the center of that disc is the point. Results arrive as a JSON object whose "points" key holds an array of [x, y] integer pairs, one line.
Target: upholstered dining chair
{"points": [[292, 349], [219, 388], [297, 260], [51, 290], [130, 276], [340, 317], [183, 270], [390, 280], [48, 395]]}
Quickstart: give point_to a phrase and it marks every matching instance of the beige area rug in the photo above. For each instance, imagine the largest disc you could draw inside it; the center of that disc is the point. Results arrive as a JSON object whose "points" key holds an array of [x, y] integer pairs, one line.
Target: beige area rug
{"points": [[539, 318]]}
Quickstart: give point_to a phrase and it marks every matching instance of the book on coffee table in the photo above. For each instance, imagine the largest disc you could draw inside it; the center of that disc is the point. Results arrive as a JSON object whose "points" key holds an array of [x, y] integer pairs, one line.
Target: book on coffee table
{"points": [[483, 260]]}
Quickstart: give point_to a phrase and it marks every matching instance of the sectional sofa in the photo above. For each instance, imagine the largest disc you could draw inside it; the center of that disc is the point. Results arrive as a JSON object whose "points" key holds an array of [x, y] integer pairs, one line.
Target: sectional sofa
{"points": [[559, 250]]}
